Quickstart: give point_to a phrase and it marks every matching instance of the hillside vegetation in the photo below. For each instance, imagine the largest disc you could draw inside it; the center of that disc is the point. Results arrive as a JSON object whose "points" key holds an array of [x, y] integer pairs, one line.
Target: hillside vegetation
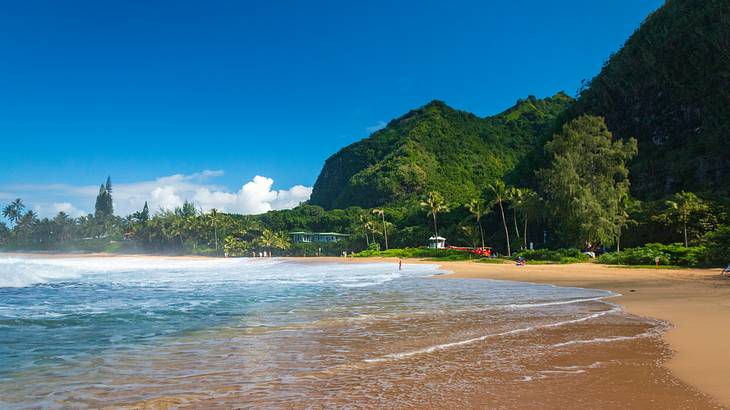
{"points": [[669, 87], [436, 148]]}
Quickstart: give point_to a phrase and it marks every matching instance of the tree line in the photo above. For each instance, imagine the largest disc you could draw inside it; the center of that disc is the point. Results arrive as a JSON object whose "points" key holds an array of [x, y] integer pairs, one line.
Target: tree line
{"points": [[580, 199]]}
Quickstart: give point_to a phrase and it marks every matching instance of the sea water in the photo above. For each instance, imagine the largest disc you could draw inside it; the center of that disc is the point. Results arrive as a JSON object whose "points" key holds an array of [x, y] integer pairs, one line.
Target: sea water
{"points": [[115, 331]]}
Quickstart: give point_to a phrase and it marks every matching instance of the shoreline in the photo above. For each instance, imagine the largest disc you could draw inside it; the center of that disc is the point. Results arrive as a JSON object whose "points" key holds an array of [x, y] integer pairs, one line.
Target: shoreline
{"points": [[696, 303]]}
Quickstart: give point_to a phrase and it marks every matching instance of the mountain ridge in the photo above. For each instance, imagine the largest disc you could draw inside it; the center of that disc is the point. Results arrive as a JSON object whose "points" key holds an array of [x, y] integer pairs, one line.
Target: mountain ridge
{"points": [[435, 147]]}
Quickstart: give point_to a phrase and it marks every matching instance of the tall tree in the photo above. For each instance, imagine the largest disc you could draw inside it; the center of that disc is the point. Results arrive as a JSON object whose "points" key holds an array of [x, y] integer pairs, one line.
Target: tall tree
{"points": [[14, 211], [500, 194], [381, 214], [679, 211], [478, 209], [530, 206], [622, 217], [104, 208], [145, 215], [214, 220], [514, 196], [435, 204], [586, 180]]}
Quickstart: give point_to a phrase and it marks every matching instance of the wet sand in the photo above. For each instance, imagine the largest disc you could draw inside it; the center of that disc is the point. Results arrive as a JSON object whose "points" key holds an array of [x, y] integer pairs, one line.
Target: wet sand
{"points": [[696, 302]]}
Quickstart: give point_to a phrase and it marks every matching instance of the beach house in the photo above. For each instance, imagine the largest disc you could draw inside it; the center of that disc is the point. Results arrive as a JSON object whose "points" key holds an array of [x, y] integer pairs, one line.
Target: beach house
{"points": [[316, 237]]}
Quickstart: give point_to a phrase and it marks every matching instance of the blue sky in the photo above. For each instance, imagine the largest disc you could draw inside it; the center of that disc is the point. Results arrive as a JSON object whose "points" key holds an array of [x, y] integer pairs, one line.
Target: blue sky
{"points": [[144, 91]]}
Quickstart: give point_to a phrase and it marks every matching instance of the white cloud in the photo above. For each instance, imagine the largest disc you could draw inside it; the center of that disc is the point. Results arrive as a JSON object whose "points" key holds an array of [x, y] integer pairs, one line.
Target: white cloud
{"points": [[68, 208], [167, 192]]}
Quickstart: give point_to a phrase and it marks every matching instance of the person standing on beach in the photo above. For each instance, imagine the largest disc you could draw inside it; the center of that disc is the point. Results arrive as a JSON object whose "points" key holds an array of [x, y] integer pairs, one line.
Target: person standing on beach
{"points": [[400, 264]]}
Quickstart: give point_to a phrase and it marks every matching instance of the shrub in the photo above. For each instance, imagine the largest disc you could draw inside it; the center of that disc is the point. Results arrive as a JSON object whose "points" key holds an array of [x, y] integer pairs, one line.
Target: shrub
{"points": [[673, 254], [442, 254], [552, 255], [718, 247]]}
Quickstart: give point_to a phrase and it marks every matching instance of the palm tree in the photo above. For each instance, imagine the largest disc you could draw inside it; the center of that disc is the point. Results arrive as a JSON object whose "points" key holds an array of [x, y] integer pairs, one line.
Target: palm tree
{"points": [[530, 205], [478, 209], [372, 228], [282, 241], [499, 190], [267, 240], [514, 196], [622, 218], [14, 211], [435, 204], [214, 220], [381, 214], [680, 209]]}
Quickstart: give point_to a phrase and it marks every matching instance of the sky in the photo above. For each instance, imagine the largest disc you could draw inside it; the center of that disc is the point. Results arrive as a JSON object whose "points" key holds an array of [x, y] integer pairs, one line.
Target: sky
{"points": [[236, 104]]}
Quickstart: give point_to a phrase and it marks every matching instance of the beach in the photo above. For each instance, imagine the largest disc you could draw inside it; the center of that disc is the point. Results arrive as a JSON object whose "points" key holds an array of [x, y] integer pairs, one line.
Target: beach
{"points": [[606, 337], [696, 303]]}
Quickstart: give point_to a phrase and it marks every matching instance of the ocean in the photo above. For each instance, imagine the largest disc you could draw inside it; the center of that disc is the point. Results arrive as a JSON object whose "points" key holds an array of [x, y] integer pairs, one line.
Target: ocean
{"points": [[93, 332]]}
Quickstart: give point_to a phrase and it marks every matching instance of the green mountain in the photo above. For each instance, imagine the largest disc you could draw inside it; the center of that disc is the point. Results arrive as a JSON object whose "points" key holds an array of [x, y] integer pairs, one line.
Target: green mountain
{"points": [[669, 87], [438, 148]]}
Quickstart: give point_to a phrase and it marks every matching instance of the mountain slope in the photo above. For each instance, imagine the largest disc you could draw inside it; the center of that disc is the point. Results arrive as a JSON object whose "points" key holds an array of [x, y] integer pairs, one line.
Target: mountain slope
{"points": [[435, 147], [669, 87]]}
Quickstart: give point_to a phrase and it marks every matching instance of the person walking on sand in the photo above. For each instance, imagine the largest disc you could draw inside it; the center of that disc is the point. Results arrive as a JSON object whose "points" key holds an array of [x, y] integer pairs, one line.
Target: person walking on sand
{"points": [[400, 264]]}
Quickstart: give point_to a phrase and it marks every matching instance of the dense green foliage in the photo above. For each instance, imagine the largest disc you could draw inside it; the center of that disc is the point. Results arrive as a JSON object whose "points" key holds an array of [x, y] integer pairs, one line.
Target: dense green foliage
{"points": [[435, 148], [669, 87], [104, 207], [673, 254], [562, 255], [586, 181], [439, 254]]}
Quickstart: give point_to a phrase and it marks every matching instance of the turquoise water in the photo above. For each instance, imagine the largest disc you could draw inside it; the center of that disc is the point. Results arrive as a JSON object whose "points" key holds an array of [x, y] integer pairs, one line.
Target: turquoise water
{"points": [[76, 331]]}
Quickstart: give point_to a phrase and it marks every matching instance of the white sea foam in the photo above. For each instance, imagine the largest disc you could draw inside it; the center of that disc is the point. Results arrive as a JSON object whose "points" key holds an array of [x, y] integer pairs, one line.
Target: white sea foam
{"points": [[430, 349], [560, 302], [653, 332], [22, 271]]}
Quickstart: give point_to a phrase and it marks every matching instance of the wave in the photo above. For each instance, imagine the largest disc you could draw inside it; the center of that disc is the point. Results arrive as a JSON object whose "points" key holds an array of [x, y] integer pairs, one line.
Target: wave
{"points": [[430, 349], [22, 272], [655, 331]]}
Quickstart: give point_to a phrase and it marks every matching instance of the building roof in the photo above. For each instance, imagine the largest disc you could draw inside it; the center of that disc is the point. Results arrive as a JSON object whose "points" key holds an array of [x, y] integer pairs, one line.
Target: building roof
{"points": [[318, 233]]}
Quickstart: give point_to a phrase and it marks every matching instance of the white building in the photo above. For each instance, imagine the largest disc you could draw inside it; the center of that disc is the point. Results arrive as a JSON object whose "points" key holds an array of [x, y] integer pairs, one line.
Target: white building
{"points": [[437, 242]]}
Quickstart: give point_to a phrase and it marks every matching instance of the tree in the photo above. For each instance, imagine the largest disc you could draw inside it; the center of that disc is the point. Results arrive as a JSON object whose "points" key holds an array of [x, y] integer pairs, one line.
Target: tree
{"points": [[214, 220], [500, 192], [586, 180], [478, 209], [234, 246], [4, 233], [267, 240], [530, 205], [145, 215], [381, 214], [514, 196], [104, 208], [679, 211], [435, 204], [622, 218], [14, 211], [281, 241]]}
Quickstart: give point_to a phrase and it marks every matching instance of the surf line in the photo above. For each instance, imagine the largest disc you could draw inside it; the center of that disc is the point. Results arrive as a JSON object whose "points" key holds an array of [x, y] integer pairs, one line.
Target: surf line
{"points": [[430, 349]]}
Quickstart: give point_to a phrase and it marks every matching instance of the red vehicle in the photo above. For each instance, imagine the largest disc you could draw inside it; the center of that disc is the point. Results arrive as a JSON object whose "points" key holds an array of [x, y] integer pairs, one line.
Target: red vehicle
{"points": [[485, 251]]}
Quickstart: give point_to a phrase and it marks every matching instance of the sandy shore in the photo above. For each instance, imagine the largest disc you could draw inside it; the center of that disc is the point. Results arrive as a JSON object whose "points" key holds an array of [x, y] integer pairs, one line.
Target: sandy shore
{"points": [[695, 301]]}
